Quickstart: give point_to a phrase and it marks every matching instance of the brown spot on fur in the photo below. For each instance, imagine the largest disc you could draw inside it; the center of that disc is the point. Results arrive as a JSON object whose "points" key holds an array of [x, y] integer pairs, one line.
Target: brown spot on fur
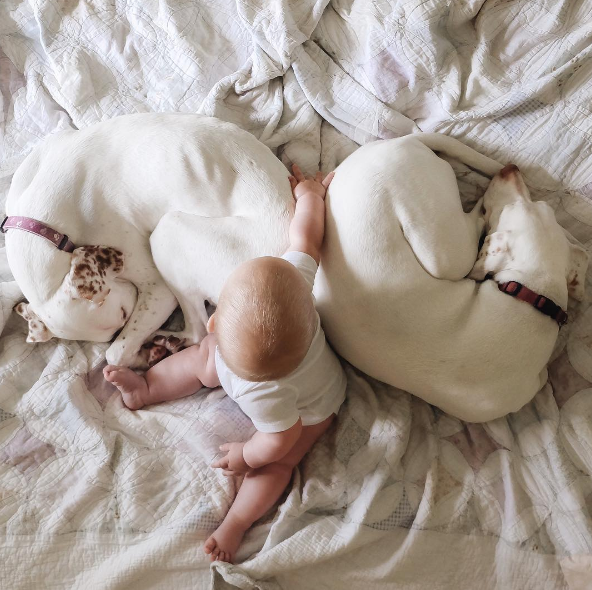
{"points": [[90, 267], [79, 268]]}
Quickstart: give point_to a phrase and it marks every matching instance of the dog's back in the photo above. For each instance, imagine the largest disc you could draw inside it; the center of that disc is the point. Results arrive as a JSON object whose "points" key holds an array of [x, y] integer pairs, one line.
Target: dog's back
{"points": [[460, 345]]}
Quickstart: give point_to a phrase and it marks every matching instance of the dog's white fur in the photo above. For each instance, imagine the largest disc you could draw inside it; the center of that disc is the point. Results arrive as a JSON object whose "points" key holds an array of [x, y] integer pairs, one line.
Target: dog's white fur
{"points": [[185, 199], [391, 293], [110, 185]]}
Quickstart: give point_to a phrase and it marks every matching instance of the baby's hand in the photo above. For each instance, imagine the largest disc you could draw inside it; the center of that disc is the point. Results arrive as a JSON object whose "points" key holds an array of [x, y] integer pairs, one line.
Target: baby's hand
{"points": [[302, 185], [233, 463]]}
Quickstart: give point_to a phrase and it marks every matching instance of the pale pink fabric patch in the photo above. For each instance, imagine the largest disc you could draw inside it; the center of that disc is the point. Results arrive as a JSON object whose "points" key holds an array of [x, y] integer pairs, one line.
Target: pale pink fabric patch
{"points": [[101, 389], [388, 75], [566, 381], [474, 444], [26, 452]]}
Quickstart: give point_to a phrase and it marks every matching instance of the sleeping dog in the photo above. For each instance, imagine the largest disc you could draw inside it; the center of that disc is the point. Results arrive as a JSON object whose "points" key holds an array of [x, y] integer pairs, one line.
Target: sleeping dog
{"points": [[391, 275], [103, 190]]}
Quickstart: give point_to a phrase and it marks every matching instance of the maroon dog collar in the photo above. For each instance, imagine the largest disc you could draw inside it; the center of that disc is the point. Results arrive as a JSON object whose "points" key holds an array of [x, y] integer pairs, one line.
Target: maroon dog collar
{"points": [[60, 241], [543, 304]]}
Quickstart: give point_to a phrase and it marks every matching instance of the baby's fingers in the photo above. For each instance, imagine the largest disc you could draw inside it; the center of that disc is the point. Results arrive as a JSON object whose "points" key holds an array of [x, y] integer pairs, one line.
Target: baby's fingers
{"points": [[327, 181], [293, 182], [221, 463], [298, 173]]}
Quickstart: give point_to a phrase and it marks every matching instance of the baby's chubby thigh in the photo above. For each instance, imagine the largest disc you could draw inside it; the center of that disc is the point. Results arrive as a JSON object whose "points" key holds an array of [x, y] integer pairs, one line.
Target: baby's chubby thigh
{"points": [[206, 362], [308, 437], [199, 360]]}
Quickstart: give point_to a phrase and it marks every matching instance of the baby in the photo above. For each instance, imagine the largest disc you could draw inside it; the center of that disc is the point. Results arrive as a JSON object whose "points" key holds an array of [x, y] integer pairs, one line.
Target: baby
{"points": [[265, 346]]}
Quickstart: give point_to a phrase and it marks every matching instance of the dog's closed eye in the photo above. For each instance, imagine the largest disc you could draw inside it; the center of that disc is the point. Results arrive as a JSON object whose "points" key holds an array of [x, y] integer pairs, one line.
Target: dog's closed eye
{"points": [[492, 257]]}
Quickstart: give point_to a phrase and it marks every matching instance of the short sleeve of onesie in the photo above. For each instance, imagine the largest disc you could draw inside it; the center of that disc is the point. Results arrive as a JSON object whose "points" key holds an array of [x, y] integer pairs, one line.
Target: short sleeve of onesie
{"points": [[304, 263], [271, 409]]}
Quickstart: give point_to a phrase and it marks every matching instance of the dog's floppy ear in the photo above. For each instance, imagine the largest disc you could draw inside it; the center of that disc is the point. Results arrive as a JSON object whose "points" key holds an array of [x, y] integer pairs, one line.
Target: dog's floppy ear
{"points": [[38, 331], [576, 272], [493, 256], [92, 270]]}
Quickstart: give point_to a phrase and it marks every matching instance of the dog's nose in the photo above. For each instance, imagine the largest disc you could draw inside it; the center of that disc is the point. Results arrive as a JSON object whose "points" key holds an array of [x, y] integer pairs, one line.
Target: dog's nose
{"points": [[508, 170]]}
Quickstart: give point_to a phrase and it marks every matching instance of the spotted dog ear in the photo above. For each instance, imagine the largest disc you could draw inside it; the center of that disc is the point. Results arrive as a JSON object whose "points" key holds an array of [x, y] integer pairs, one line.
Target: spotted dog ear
{"points": [[493, 257], [38, 331], [576, 273], [92, 270]]}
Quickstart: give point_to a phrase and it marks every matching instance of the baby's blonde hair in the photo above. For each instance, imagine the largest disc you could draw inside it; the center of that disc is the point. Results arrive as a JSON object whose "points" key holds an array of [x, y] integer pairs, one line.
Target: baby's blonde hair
{"points": [[265, 319]]}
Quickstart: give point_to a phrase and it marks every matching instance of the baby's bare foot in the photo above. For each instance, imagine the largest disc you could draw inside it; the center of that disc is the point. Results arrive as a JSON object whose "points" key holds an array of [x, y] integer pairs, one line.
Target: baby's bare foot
{"points": [[133, 387], [222, 545]]}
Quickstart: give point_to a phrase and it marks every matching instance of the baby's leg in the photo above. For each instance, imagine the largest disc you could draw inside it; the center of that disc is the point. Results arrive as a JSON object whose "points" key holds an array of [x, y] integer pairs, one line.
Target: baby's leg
{"points": [[177, 376], [260, 490]]}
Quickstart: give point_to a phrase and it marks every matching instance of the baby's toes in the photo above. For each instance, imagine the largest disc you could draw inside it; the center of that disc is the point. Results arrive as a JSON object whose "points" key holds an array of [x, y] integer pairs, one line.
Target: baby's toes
{"points": [[209, 545], [109, 372], [214, 553]]}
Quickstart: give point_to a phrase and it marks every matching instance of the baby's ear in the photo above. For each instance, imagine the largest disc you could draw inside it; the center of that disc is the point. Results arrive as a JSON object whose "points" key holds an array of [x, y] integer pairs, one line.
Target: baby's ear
{"points": [[38, 331], [92, 270], [493, 257], [576, 272], [211, 325]]}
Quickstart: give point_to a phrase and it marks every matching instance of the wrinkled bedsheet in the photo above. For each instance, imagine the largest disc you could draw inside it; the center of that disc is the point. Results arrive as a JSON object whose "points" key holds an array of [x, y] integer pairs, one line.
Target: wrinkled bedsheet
{"points": [[93, 496]]}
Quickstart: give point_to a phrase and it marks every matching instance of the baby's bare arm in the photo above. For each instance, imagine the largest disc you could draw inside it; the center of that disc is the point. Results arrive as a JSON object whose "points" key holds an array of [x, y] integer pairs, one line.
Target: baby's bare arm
{"points": [[261, 449], [268, 447], [308, 225]]}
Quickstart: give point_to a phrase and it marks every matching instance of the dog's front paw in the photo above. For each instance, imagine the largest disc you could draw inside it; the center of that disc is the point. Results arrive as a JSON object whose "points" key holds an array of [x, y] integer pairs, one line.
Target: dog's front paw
{"points": [[171, 343], [149, 355], [158, 348], [121, 354]]}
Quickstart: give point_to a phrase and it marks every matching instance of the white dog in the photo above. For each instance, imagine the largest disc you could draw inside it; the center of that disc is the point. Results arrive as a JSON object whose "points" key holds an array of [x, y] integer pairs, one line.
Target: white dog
{"points": [[109, 185], [391, 294]]}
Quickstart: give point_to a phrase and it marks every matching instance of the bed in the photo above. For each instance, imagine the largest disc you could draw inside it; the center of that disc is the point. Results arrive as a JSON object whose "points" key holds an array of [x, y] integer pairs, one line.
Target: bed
{"points": [[397, 494]]}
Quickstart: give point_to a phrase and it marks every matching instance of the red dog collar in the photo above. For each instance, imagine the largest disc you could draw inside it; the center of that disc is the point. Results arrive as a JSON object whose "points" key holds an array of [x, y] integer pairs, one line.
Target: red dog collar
{"points": [[60, 241], [543, 304]]}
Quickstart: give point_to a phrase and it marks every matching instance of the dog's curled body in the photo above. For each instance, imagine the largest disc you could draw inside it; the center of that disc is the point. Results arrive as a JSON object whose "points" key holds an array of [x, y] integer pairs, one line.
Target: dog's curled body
{"points": [[110, 185], [391, 292]]}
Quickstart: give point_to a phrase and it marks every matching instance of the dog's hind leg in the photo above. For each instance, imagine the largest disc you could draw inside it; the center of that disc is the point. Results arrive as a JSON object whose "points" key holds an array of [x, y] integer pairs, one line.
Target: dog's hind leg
{"points": [[444, 239], [155, 304], [195, 318], [196, 254], [402, 182]]}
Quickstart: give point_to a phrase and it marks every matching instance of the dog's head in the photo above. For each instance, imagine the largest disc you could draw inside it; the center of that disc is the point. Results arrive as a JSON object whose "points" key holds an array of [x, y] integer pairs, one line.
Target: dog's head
{"points": [[92, 303], [525, 239]]}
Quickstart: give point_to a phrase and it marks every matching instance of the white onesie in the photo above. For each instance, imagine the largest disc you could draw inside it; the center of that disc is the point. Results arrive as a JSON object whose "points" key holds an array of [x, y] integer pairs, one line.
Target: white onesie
{"points": [[313, 392]]}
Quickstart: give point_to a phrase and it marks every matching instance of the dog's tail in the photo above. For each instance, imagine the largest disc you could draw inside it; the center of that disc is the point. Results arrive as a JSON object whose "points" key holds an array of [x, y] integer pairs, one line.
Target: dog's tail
{"points": [[456, 149]]}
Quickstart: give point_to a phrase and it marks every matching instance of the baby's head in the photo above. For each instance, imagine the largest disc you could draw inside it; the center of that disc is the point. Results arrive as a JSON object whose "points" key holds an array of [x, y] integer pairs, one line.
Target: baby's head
{"points": [[265, 319]]}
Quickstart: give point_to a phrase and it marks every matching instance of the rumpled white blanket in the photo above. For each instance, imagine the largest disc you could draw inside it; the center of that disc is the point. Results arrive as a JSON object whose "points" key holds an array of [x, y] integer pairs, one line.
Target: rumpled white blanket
{"points": [[397, 495]]}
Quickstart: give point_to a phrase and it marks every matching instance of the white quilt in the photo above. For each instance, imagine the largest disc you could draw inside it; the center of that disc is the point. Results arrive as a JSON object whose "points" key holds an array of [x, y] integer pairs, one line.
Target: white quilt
{"points": [[93, 496]]}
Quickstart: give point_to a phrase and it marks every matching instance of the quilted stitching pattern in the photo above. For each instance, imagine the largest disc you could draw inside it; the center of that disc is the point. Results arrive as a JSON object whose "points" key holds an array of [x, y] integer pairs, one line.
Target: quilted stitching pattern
{"points": [[94, 496]]}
